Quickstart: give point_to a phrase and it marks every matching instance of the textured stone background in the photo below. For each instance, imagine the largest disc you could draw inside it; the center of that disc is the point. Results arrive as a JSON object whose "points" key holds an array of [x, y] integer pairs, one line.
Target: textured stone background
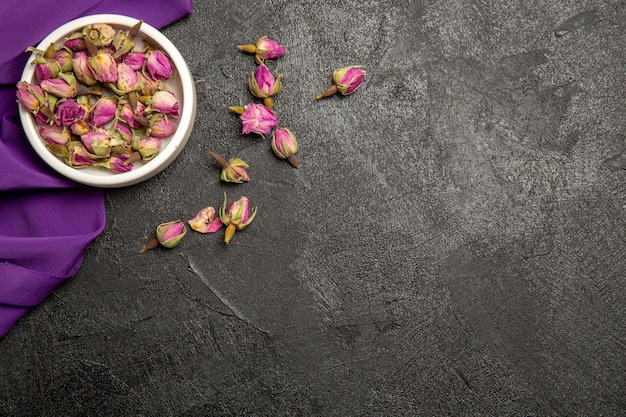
{"points": [[454, 243]]}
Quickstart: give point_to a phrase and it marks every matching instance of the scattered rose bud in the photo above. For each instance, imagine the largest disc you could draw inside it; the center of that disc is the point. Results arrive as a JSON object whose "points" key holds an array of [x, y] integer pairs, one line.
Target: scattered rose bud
{"points": [[262, 84], [346, 80], [205, 221], [168, 235], [285, 146], [256, 118], [265, 49], [97, 143], [236, 216], [127, 79], [158, 65], [233, 170]]}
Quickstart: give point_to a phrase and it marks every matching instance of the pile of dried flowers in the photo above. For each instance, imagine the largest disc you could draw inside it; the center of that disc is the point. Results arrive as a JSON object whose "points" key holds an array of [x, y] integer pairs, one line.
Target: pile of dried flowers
{"points": [[99, 101]]}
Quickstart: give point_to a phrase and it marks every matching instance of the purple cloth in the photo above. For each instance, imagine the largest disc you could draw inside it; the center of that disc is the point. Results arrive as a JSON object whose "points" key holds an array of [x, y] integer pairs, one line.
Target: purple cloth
{"points": [[46, 221]]}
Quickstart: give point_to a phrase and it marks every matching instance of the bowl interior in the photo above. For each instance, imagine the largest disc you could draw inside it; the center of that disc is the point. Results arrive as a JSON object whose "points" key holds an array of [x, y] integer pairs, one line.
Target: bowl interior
{"points": [[181, 84]]}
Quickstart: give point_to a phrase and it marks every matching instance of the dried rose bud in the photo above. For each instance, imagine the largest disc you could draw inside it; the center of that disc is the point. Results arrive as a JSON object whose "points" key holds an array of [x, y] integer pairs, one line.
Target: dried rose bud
{"points": [[63, 57], [233, 170], [103, 66], [164, 102], [205, 221], [58, 87], [262, 84], [55, 134], [135, 60], [130, 116], [158, 65], [285, 146], [256, 118], [103, 111], [101, 34], [148, 147], [30, 96], [82, 70], [78, 156], [160, 126], [68, 111], [46, 71], [236, 216], [97, 143], [168, 235], [76, 42], [122, 44], [264, 49], [115, 163], [80, 127], [127, 80], [346, 80], [124, 133]]}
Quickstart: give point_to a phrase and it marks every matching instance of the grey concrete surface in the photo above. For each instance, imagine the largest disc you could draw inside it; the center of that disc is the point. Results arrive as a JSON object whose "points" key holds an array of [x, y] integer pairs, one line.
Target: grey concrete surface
{"points": [[453, 244]]}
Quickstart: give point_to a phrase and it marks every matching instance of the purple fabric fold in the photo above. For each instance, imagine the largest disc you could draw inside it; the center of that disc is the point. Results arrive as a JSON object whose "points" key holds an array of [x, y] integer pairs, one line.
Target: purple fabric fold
{"points": [[46, 221]]}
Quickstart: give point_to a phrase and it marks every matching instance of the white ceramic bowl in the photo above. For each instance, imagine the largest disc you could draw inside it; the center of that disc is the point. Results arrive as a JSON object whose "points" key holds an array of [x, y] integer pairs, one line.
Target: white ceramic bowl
{"points": [[181, 85]]}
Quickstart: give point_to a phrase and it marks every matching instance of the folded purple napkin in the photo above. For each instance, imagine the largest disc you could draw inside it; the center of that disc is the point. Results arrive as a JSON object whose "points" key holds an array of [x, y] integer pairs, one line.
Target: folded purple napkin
{"points": [[46, 221]]}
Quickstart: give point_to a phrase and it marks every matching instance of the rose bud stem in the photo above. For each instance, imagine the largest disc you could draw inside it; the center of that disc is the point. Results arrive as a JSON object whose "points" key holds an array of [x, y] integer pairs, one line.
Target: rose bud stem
{"points": [[293, 161], [249, 48], [221, 161], [328, 92], [148, 46], [154, 243], [132, 100], [237, 109], [269, 102], [230, 232], [83, 90]]}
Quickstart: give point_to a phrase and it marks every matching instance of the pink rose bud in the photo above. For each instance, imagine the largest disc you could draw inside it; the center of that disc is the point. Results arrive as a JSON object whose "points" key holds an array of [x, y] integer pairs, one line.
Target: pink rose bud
{"points": [[130, 116], [256, 118], [103, 66], [262, 84], [285, 146], [58, 87], [97, 143], [264, 49], [148, 147], [55, 134], [30, 96], [76, 42], [103, 111], [135, 60], [82, 70], [236, 216], [68, 111], [78, 156], [127, 79], [164, 102], [158, 65], [46, 71], [101, 34], [63, 58], [115, 163], [124, 133], [346, 80], [168, 235], [205, 221], [160, 126], [233, 170]]}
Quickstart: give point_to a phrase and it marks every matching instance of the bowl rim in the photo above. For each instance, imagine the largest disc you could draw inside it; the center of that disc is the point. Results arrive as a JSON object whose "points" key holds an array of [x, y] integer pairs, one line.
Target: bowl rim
{"points": [[175, 143]]}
